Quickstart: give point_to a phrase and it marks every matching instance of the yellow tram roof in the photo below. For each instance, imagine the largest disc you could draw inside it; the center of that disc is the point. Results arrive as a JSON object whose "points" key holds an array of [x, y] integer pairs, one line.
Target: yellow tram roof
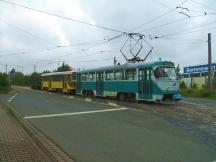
{"points": [[58, 73]]}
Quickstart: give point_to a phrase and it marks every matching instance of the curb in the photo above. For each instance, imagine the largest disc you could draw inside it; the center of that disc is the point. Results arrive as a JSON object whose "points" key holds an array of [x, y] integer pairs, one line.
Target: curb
{"points": [[45, 144]]}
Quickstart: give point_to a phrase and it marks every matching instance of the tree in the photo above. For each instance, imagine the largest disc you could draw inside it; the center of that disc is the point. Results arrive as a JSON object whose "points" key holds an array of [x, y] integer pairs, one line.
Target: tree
{"points": [[45, 71], [182, 85], [64, 67], [3, 80], [35, 80], [178, 69], [17, 78]]}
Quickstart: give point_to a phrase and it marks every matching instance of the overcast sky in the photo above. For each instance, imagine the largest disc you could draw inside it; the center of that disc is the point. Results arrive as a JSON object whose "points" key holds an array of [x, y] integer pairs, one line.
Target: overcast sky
{"points": [[29, 38]]}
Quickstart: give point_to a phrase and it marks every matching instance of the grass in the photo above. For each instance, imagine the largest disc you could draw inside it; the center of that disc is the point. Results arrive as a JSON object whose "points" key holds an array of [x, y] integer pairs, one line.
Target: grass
{"points": [[198, 93], [5, 90]]}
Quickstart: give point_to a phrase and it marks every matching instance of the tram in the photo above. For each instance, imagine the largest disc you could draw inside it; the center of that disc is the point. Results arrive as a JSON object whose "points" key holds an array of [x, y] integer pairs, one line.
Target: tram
{"points": [[59, 81], [155, 81]]}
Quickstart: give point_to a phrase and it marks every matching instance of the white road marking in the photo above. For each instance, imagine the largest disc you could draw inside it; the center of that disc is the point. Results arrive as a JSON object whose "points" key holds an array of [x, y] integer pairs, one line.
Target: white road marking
{"points": [[12, 97], [88, 99], [112, 104], [74, 113]]}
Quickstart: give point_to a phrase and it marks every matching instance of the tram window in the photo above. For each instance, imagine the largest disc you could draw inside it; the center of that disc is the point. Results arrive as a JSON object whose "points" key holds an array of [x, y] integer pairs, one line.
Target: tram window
{"points": [[71, 77], [91, 76], [84, 77], [57, 78], [119, 75], [46, 78], [147, 73], [165, 73], [109, 75], [130, 74]]}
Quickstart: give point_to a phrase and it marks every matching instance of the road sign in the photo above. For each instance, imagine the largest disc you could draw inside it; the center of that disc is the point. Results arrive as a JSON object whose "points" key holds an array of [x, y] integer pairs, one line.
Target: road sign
{"points": [[198, 69]]}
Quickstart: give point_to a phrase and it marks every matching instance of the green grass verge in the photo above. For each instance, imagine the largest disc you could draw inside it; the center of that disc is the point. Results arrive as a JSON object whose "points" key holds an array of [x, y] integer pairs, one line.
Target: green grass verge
{"points": [[5, 90], [202, 93]]}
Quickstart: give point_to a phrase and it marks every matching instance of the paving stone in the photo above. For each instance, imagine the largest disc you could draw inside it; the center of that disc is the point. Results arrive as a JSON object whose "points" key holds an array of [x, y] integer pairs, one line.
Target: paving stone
{"points": [[16, 144]]}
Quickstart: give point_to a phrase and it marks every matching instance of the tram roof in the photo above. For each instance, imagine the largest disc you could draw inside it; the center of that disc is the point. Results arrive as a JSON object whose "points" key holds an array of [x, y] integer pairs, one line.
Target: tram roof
{"points": [[58, 73], [131, 66]]}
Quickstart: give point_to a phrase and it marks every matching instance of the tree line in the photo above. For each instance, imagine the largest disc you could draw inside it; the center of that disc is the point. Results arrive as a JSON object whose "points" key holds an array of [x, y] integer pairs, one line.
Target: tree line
{"points": [[33, 80]]}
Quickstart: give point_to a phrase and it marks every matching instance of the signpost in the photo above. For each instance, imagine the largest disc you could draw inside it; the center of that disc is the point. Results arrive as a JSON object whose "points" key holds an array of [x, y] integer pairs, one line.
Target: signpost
{"points": [[209, 64], [198, 69]]}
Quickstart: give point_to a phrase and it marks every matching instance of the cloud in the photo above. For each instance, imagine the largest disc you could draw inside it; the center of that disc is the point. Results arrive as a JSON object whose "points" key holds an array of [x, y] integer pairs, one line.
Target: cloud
{"points": [[49, 32]]}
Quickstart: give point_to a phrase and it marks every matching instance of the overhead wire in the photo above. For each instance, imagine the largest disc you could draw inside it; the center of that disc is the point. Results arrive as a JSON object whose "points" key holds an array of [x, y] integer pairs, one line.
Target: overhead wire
{"points": [[26, 32], [99, 42], [28, 52], [185, 30], [62, 17], [171, 22], [203, 5], [81, 50], [213, 28], [174, 21], [74, 61], [78, 57], [186, 39], [158, 17]]}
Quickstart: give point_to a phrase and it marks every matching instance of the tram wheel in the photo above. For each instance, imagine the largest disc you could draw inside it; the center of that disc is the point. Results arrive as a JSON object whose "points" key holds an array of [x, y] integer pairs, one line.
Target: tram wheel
{"points": [[121, 97]]}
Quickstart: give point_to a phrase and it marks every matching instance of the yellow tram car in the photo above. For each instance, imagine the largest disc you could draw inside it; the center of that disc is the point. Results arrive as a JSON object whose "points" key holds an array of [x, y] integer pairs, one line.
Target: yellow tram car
{"points": [[59, 81]]}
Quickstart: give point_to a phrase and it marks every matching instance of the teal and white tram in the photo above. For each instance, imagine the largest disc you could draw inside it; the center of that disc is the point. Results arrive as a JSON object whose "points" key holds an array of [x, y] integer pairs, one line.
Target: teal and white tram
{"points": [[155, 81]]}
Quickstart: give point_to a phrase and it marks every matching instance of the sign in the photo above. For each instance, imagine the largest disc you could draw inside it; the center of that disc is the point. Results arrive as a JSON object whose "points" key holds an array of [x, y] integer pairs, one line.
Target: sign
{"points": [[168, 63], [198, 69]]}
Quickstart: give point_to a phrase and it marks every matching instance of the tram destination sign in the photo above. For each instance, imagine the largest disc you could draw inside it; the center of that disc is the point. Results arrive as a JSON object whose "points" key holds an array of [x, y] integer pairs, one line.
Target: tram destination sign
{"points": [[198, 69]]}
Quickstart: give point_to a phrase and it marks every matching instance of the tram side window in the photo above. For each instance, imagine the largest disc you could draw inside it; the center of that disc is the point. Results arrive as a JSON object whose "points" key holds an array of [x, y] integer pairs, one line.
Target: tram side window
{"points": [[119, 75], [45, 78], [84, 76], [130, 74], [72, 77], [109, 75], [57, 78], [91, 77]]}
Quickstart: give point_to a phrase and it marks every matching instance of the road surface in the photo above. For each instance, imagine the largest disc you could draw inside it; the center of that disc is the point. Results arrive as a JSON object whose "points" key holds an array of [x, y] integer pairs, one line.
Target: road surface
{"points": [[94, 131]]}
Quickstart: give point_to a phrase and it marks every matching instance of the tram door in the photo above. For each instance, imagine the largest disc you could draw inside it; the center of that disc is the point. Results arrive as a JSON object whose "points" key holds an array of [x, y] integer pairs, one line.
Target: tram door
{"points": [[99, 84], [64, 78], [78, 83], [145, 83], [49, 80]]}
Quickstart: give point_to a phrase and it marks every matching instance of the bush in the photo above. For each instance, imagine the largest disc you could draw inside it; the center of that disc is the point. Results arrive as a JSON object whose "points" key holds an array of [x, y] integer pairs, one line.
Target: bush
{"points": [[206, 94], [190, 90], [3, 80], [35, 80], [182, 85], [194, 86], [204, 86], [4, 86]]}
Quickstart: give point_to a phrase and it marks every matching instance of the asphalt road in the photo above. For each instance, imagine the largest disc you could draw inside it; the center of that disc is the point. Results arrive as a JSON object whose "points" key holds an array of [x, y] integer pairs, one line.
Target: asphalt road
{"points": [[97, 132]]}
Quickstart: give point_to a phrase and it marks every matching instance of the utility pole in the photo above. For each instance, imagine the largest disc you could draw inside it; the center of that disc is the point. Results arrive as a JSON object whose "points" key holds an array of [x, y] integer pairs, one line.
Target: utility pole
{"points": [[209, 64], [9, 78], [6, 67], [114, 61], [34, 68]]}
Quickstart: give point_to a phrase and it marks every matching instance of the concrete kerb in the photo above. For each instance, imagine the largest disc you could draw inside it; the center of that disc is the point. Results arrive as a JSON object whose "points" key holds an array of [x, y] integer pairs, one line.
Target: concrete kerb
{"points": [[46, 144]]}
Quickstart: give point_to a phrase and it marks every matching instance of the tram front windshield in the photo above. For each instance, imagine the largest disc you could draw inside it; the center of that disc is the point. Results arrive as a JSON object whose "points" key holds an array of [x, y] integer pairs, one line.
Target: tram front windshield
{"points": [[165, 73]]}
